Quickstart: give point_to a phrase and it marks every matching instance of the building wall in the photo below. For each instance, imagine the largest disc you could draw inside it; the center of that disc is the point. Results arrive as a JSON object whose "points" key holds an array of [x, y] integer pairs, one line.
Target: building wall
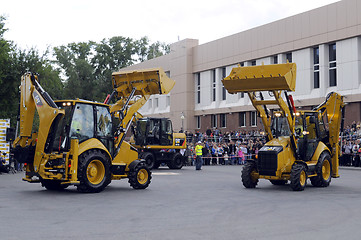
{"points": [[338, 23]]}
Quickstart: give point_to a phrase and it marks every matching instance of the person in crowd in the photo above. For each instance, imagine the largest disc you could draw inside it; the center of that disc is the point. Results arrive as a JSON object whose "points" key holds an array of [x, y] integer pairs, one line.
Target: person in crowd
{"points": [[241, 157], [205, 154], [232, 150], [347, 153], [214, 152]]}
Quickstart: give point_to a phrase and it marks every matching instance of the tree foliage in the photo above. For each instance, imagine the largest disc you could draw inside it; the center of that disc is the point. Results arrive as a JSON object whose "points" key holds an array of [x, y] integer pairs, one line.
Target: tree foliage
{"points": [[88, 66], [80, 70]]}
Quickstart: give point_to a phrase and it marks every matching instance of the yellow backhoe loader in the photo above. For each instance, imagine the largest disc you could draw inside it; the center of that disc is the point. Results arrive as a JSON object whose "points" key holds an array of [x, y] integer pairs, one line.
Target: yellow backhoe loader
{"points": [[154, 138], [300, 144], [80, 142]]}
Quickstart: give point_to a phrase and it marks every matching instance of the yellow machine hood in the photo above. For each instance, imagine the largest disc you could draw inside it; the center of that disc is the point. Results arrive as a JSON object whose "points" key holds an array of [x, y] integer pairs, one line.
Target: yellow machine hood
{"points": [[261, 78]]}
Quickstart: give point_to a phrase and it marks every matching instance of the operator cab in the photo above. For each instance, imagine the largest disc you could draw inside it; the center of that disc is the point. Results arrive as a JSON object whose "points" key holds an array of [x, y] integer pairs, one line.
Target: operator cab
{"points": [[309, 130], [279, 126], [83, 120], [153, 131]]}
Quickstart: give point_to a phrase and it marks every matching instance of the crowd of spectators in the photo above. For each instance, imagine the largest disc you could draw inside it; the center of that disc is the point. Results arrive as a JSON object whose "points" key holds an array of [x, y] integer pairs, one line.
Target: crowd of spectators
{"points": [[235, 147], [351, 145], [225, 148]]}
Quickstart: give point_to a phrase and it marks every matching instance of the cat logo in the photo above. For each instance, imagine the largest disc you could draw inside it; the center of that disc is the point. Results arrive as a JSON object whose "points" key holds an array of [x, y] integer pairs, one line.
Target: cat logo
{"points": [[37, 99], [270, 148]]}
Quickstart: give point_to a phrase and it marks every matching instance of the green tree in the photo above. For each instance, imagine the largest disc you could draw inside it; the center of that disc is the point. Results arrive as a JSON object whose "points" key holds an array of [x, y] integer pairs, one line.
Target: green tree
{"points": [[88, 66], [13, 64], [8, 94], [74, 60], [157, 49]]}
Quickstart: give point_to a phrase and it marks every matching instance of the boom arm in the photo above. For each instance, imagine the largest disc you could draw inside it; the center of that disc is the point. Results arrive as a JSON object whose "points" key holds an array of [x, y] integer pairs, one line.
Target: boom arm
{"points": [[134, 89]]}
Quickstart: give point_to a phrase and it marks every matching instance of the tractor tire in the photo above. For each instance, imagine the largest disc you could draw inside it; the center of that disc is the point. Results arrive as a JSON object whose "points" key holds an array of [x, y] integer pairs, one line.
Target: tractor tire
{"points": [[278, 182], [140, 176], [176, 162], [93, 172], [53, 185], [149, 159], [298, 177], [323, 170], [247, 176]]}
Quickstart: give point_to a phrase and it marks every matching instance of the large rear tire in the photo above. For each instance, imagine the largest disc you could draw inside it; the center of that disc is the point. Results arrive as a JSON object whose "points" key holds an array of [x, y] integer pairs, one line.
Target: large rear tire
{"points": [[323, 170], [93, 172], [176, 162], [298, 177], [249, 175], [140, 176]]}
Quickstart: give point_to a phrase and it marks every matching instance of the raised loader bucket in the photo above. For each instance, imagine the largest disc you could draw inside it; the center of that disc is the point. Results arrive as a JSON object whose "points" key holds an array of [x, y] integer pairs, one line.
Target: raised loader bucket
{"points": [[261, 78], [146, 82]]}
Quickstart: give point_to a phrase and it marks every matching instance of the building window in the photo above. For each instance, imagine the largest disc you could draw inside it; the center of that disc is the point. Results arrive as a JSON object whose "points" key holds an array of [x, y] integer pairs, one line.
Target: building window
{"points": [[242, 95], [289, 57], [198, 122], [214, 89], [332, 64], [253, 63], [198, 88], [168, 101], [316, 68], [275, 59], [223, 119], [167, 73], [223, 88], [254, 119], [150, 104], [213, 121], [241, 64], [242, 119]]}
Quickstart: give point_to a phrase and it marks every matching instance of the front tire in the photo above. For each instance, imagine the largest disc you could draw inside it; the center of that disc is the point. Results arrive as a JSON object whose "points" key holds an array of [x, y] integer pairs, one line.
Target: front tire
{"points": [[93, 172], [323, 170], [140, 176], [249, 175], [298, 177]]}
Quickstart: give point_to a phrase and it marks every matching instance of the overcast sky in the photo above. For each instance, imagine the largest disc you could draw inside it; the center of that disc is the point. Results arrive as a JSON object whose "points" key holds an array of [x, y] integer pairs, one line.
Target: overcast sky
{"points": [[42, 23]]}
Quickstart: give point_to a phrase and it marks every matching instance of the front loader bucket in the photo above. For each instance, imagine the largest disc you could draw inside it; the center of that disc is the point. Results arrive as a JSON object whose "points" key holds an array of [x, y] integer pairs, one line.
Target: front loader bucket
{"points": [[261, 78], [146, 82]]}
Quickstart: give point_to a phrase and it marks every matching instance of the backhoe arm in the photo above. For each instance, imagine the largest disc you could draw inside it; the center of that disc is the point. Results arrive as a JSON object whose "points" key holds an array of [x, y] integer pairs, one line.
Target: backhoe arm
{"points": [[32, 98], [333, 106]]}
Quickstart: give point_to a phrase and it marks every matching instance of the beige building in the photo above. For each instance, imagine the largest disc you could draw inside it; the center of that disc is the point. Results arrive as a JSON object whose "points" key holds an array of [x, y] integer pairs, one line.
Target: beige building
{"points": [[325, 43]]}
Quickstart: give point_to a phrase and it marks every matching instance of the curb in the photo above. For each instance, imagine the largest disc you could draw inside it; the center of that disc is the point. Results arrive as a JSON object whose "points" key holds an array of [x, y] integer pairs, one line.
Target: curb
{"points": [[351, 168]]}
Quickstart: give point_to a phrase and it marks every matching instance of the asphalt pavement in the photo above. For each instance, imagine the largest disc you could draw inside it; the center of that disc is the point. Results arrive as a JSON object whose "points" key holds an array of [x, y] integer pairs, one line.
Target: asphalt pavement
{"points": [[183, 204]]}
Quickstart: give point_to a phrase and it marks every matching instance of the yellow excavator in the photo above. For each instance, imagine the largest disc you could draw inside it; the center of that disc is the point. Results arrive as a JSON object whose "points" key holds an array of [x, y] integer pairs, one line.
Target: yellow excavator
{"points": [[81, 142], [301, 144], [157, 143]]}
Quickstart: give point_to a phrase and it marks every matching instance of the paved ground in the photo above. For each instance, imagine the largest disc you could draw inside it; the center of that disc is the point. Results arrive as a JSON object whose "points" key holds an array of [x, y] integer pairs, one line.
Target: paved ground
{"points": [[184, 204]]}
